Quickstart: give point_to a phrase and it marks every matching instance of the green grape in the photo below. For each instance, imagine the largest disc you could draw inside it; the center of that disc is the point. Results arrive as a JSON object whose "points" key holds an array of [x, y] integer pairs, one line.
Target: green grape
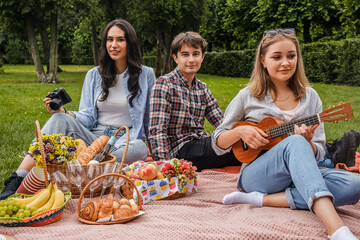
{"points": [[23, 206], [18, 205], [34, 213], [6, 215], [14, 215], [21, 210], [1, 203], [15, 208], [9, 212], [33, 209], [27, 213], [5, 208], [10, 207], [2, 213], [21, 215]]}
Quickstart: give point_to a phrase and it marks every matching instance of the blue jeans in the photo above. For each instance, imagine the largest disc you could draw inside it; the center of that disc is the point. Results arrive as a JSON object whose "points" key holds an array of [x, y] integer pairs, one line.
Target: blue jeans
{"points": [[290, 166], [67, 125]]}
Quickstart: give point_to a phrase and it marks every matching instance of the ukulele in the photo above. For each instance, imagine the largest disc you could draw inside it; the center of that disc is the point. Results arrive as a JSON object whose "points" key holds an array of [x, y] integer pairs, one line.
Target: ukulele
{"points": [[277, 130]]}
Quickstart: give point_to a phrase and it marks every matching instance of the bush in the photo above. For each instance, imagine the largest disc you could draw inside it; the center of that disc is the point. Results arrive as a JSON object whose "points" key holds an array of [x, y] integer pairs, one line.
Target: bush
{"points": [[232, 64], [14, 52]]}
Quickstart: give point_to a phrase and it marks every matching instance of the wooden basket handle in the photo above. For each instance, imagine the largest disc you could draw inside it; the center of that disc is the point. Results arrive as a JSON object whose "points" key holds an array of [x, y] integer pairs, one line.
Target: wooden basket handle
{"points": [[42, 151], [102, 176], [126, 146]]}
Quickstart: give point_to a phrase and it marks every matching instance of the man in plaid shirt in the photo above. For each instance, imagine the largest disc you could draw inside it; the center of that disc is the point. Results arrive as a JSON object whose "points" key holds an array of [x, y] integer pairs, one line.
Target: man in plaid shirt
{"points": [[179, 103]]}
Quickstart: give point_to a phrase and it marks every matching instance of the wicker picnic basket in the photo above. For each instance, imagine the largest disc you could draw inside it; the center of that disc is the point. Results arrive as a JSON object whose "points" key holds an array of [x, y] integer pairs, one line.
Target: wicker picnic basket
{"points": [[138, 203], [42, 218], [126, 189], [51, 168]]}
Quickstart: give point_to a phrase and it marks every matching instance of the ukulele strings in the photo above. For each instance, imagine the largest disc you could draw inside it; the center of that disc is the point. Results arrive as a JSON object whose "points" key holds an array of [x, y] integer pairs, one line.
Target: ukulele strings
{"points": [[289, 127]]}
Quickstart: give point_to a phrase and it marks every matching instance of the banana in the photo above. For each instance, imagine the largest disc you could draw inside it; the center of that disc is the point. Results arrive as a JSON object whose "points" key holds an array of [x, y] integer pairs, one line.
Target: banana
{"points": [[29, 199], [42, 199], [49, 203], [59, 197]]}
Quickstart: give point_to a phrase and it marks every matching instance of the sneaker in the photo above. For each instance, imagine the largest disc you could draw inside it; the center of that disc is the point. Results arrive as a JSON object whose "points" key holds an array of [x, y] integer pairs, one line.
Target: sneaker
{"points": [[11, 185]]}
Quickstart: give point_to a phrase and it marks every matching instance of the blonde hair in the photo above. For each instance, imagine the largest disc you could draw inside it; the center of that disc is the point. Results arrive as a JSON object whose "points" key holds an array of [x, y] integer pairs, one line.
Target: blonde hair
{"points": [[260, 82]]}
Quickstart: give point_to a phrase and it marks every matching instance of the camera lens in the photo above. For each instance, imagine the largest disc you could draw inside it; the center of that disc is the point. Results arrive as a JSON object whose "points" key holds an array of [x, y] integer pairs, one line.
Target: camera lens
{"points": [[56, 103]]}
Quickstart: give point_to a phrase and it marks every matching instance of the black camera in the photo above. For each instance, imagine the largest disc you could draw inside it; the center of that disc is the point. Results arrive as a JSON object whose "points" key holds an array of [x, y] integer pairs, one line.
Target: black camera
{"points": [[59, 97]]}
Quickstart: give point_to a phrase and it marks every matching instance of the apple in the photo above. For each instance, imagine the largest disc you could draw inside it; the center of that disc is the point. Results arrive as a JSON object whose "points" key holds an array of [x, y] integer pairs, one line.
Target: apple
{"points": [[148, 172], [135, 175], [159, 175]]}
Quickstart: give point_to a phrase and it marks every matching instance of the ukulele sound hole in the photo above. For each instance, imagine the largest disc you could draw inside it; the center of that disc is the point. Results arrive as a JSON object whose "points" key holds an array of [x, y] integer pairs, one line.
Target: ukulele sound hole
{"points": [[244, 145]]}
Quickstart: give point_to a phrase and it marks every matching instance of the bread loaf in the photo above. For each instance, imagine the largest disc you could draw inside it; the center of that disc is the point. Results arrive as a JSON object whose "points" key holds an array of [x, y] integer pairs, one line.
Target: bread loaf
{"points": [[80, 148], [89, 153]]}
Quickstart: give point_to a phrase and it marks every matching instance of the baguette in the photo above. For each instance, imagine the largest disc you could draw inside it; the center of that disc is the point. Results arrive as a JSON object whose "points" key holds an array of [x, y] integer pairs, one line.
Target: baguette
{"points": [[89, 153]]}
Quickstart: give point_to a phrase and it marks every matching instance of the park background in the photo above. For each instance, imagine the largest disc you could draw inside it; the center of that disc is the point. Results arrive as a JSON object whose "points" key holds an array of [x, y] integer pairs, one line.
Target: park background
{"points": [[47, 44]]}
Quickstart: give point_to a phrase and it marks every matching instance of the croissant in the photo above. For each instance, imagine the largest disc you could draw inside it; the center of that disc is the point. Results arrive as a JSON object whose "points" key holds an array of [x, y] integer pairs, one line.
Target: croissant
{"points": [[89, 153], [106, 207], [91, 210]]}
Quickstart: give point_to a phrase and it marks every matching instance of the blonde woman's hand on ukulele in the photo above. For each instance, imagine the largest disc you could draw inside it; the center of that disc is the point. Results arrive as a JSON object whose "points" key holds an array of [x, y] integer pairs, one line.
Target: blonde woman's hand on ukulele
{"points": [[254, 137], [307, 133]]}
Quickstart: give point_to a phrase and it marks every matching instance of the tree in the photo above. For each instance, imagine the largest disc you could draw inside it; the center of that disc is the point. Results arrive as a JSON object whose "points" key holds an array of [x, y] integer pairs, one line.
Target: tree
{"points": [[17, 14], [304, 15]]}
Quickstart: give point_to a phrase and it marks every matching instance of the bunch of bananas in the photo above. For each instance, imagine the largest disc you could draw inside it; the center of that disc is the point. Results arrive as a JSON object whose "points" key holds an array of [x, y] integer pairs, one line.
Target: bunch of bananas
{"points": [[49, 198]]}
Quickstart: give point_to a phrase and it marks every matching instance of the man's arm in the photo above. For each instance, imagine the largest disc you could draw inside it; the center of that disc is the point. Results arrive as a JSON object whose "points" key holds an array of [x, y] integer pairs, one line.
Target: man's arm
{"points": [[159, 120]]}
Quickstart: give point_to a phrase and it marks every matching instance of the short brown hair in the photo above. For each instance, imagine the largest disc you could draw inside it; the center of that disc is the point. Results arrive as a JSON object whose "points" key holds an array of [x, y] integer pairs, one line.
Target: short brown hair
{"points": [[190, 38]]}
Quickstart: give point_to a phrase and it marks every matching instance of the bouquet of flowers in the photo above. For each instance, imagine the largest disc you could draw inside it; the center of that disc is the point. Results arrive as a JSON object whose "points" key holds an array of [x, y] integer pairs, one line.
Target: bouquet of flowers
{"points": [[179, 168], [58, 149]]}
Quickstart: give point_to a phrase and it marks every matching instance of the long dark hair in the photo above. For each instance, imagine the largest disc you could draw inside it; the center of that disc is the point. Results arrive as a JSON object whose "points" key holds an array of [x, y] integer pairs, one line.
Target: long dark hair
{"points": [[134, 60]]}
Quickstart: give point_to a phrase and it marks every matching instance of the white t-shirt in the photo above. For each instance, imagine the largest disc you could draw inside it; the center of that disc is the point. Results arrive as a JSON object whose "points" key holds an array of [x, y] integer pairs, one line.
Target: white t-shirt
{"points": [[114, 110]]}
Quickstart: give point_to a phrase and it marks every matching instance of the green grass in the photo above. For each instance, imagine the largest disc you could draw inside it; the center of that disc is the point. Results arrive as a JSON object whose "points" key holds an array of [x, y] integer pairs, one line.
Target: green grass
{"points": [[21, 104]]}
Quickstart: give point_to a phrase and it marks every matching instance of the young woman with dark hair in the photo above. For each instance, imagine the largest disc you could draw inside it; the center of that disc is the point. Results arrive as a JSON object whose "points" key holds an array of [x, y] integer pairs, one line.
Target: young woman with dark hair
{"points": [[114, 94]]}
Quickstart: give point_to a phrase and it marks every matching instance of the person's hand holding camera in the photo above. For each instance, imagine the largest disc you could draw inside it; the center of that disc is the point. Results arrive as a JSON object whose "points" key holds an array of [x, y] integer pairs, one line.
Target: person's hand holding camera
{"points": [[55, 100], [47, 101]]}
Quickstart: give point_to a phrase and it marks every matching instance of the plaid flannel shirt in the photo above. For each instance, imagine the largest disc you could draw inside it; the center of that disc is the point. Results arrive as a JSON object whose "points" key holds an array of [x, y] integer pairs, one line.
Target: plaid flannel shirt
{"points": [[177, 113]]}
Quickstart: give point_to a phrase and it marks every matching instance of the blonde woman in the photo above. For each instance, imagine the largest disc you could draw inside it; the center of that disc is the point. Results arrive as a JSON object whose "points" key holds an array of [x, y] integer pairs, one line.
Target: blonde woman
{"points": [[287, 175]]}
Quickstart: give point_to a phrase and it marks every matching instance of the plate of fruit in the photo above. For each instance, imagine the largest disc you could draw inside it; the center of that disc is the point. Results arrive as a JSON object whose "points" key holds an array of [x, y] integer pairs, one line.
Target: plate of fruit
{"points": [[44, 207]]}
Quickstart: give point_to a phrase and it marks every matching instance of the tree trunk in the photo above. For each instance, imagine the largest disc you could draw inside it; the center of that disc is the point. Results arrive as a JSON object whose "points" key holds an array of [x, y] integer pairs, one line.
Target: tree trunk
{"points": [[306, 34], [34, 50], [95, 47], [167, 58], [46, 47], [158, 54], [53, 77]]}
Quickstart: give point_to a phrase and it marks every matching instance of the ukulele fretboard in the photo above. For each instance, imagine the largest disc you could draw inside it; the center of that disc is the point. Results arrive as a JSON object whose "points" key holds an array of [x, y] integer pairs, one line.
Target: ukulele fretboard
{"points": [[289, 127]]}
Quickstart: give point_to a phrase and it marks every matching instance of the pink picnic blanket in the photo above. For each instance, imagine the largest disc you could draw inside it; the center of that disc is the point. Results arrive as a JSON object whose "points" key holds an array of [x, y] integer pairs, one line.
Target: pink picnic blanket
{"points": [[197, 216]]}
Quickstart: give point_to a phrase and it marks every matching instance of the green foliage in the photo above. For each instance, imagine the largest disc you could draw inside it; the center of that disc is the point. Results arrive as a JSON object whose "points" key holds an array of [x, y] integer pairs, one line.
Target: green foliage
{"points": [[81, 45], [14, 51], [335, 62], [233, 63]]}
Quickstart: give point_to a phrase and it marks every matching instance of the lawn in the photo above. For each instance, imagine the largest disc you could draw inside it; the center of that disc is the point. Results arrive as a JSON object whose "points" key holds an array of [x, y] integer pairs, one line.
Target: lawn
{"points": [[21, 104]]}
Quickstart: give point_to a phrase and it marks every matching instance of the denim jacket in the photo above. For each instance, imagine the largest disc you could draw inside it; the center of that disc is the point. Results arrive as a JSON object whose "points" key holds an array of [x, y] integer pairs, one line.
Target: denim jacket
{"points": [[139, 113]]}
